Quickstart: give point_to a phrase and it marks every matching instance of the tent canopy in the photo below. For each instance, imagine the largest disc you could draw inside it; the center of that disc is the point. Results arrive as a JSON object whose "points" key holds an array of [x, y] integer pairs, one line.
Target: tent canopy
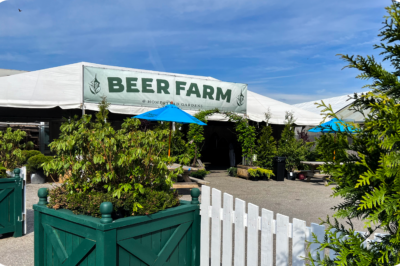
{"points": [[62, 87]]}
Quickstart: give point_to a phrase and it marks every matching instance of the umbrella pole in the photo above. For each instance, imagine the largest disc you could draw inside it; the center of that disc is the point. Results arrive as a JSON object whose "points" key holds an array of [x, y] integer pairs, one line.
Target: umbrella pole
{"points": [[169, 146]]}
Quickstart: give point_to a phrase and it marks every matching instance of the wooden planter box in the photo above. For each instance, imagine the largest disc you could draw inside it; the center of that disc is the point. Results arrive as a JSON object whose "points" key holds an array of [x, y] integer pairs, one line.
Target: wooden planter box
{"points": [[242, 170], [170, 237], [11, 217]]}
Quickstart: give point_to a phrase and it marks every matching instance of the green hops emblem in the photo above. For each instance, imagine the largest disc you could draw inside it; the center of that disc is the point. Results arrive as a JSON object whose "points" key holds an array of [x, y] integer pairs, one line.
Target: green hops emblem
{"points": [[94, 85]]}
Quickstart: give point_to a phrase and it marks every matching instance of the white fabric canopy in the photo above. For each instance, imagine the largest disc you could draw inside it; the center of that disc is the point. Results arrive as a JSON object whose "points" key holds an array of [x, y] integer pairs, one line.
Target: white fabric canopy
{"points": [[62, 87]]}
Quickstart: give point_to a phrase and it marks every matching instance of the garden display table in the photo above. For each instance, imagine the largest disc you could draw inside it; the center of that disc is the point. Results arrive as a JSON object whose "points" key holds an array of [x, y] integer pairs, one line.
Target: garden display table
{"points": [[314, 172]]}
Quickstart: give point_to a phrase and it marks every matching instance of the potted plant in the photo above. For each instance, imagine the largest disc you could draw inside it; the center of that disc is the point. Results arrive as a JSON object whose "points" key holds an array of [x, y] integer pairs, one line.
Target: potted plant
{"points": [[35, 167], [294, 150], [26, 154], [117, 207]]}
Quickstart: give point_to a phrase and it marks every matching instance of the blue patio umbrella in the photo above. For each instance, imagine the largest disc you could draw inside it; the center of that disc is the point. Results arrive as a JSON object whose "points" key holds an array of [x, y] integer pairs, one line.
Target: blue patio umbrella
{"points": [[333, 126], [170, 113]]}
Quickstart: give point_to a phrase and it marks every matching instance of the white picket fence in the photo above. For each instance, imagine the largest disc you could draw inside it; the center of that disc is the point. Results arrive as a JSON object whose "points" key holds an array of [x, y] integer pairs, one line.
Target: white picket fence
{"points": [[234, 249]]}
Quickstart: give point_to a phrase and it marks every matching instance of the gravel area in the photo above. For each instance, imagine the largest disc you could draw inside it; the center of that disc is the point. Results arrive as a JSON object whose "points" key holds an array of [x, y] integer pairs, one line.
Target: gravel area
{"points": [[307, 201]]}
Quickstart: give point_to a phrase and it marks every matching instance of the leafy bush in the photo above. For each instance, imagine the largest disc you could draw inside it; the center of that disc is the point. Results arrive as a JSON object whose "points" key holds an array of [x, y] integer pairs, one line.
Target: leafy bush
{"points": [[152, 201], [266, 149], [199, 174], [11, 143], [368, 181], [103, 160], [232, 171], [260, 172], [288, 146], [196, 135], [36, 162], [26, 154]]}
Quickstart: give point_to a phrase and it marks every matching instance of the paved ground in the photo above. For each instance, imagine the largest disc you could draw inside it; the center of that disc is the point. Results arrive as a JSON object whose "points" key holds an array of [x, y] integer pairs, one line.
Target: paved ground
{"points": [[296, 199]]}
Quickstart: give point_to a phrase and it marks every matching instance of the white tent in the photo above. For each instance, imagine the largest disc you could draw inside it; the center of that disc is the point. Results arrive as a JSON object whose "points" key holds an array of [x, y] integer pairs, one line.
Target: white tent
{"points": [[63, 87]]}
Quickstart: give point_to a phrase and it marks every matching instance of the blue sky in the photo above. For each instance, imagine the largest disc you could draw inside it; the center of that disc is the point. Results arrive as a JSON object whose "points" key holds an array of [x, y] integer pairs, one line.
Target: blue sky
{"points": [[285, 50]]}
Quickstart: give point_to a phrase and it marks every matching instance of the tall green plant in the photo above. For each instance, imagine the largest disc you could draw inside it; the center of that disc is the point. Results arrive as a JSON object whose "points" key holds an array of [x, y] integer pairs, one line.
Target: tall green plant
{"points": [[369, 183], [246, 134], [195, 134], [267, 146], [295, 150], [11, 145], [106, 160]]}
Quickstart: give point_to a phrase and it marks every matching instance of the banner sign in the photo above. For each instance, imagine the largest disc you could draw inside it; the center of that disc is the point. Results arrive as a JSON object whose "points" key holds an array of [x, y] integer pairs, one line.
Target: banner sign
{"points": [[124, 87]]}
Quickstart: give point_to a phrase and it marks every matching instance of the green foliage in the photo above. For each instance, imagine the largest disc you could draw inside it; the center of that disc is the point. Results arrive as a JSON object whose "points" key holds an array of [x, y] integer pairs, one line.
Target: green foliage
{"points": [[369, 182], [246, 135], [151, 201], [11, 143], [26, 154], [295, 150], [115, 162], [179, 148], [266, 148], [199, 174], [2, 171], [232, 171], [36, 162], [260, 172], [195, 135]]}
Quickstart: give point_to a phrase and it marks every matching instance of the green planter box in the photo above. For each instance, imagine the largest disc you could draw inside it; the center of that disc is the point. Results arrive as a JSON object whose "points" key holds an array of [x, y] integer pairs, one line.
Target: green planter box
{"points": [[170, 237], [11, 217]]}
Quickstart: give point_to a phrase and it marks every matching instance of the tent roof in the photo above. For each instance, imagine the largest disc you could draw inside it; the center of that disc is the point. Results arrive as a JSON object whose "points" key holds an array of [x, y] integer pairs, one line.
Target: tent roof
{"points": [[337, 103], [62, 86]]}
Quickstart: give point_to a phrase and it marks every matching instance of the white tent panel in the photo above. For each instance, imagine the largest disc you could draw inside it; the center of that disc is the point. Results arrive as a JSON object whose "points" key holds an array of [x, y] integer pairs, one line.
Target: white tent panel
{"points": [[62, 86]]}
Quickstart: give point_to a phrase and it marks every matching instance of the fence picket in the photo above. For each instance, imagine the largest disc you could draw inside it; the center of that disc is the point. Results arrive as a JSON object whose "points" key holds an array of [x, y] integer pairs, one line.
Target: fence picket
{"points": [[298, 242], [267, 237], [205, 227], [227, 233], [332, 253], [319, 231], [268, 226], [240, 206], [252, 235], [216, 228], [282, 240]]}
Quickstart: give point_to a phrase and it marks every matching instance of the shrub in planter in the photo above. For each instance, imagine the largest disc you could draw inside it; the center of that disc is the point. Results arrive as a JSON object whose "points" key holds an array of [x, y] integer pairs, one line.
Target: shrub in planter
{"points": [[260, 173], [117, 163], [26, 154], [127, 168], [11, 143], [35, 167], [232, 171], [288, 146], [200, 173]]}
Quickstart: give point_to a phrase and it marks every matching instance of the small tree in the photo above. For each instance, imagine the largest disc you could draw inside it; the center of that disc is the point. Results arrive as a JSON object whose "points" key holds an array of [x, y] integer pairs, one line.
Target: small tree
{"points": [[195, 135], [288, 146], [117, 163], [368, 182], [11, 145], [266, 148]]}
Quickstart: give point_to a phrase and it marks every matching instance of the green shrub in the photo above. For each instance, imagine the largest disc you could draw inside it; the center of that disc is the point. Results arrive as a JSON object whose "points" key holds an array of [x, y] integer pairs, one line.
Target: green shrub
{"points": [[266, 148], [11, 143], [26, 154], [114, 163], [88, 203], [260, 172], [232, 171], [36, 162], [367, 180], [199, 174]]}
